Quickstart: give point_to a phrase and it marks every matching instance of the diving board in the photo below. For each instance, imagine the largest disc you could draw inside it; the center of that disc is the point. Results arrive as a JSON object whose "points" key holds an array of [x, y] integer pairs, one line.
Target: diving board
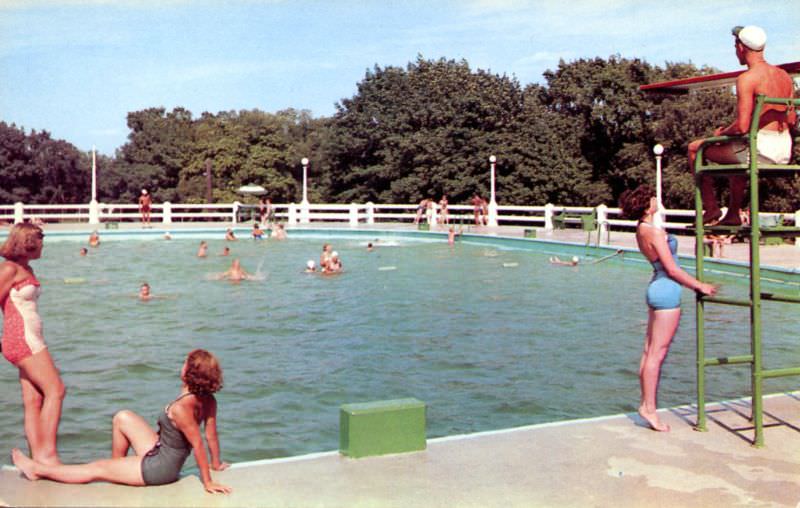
{"points": [[683, 86]]}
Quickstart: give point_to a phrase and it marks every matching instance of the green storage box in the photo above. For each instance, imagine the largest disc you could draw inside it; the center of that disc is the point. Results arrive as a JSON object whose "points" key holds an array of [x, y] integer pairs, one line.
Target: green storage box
{"points": [[381, 427], [530, 233], [424, 227]]}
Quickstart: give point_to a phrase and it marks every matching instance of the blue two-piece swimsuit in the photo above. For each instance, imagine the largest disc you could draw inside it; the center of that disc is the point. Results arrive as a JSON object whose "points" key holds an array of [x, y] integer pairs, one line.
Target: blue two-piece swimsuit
{"points": [[664, 292]]}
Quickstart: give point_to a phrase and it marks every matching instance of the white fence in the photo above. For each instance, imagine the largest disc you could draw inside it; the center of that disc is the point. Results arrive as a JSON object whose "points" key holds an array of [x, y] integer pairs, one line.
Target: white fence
{"points": [[353, 214]]}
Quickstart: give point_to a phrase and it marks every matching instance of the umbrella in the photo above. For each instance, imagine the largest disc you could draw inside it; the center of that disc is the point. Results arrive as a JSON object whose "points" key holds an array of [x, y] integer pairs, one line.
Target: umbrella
{"points": [[256, 190]]}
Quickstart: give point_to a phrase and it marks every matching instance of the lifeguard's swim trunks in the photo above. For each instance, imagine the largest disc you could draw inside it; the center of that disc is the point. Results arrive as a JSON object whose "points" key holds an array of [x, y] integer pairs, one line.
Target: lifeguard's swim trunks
{"points": [[774, 147]]}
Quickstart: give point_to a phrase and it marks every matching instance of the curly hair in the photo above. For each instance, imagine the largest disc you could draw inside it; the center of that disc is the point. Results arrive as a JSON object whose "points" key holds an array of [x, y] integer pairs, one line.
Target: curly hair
{"points": [[21, 242], [203, 373], [634, 203]]}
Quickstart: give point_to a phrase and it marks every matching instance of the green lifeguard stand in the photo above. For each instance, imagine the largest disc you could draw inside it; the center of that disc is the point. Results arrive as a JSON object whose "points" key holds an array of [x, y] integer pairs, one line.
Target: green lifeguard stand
{"points": [[755, 231]]}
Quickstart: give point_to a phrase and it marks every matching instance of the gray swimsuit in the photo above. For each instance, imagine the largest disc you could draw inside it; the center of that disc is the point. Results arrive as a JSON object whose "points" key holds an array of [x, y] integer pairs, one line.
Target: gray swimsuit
{"points": [[163, 463]]}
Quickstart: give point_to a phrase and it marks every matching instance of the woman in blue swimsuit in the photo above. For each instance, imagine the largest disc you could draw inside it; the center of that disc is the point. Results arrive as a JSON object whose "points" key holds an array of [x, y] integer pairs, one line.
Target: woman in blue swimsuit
{"points": [[158, 457], [663, 295]]}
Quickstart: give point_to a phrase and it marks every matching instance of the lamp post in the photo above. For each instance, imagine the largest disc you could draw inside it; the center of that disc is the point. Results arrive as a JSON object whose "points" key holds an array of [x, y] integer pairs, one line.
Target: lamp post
{"points": [[658, 220], [492, 198], [304, 211], [94, 208]]}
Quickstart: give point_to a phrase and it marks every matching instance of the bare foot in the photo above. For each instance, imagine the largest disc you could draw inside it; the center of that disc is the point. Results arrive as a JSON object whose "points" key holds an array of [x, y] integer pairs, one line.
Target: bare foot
{"points": [[653, 421], [24, 464]]}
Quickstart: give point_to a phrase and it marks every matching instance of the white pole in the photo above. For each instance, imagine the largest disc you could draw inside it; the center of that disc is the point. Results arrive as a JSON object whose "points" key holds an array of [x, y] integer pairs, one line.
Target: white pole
{"points": [[94, 207], [492, 200], [658, 150], [304, 162], [94, 173]]}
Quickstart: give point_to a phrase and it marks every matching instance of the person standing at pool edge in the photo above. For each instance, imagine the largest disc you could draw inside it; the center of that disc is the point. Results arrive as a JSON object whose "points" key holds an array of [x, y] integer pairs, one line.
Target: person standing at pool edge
{"points": [[663, 295], [23, 342], [774, 139], [158, 457], [144, 207]]}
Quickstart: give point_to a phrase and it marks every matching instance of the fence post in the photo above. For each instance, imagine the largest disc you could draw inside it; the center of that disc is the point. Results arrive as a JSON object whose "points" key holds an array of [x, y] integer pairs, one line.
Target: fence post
{"points": [[602, 222], [19, 212], [548, 217], [433, 216], [292, 220], [353, 215], [305, 212], [797, 225], [370, 212], [94, 212], [166, 212], [235, 217]]}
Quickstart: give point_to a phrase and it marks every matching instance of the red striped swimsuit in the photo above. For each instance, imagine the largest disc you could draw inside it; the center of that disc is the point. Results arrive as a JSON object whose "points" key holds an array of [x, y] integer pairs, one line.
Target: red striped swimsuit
{"points": [[22, 326]]}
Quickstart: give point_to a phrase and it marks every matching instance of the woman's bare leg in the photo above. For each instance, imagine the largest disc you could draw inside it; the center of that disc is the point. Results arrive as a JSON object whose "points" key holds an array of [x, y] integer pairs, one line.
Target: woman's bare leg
{"points": [[42, 397], [662, 325], [129, 430], [125, 470]]}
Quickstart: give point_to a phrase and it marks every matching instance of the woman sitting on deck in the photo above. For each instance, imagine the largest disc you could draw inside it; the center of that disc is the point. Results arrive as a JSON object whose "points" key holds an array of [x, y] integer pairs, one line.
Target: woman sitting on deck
{"points": [[663, 295], [158, 457]]}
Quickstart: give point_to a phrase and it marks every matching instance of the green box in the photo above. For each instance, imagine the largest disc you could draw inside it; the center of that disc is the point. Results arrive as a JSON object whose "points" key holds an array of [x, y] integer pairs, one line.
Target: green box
{"points": [[424, 227], [530, 233], [112, 225], [381, 427]]}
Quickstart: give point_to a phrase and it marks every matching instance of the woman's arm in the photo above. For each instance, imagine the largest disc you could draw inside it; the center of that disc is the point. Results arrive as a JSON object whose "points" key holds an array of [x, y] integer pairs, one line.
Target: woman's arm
{"points": [[212, 439], [658, 240], [184, 419], [8, 271]]}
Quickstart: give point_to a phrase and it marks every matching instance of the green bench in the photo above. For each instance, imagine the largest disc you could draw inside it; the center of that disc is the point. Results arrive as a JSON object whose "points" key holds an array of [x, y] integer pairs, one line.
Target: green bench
{"points": [[381, 427]]}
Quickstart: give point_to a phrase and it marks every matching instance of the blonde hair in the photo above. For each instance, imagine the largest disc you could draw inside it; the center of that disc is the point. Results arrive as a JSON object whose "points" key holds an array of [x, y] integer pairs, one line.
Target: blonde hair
{"points": [[21, 242], [203, 373]]}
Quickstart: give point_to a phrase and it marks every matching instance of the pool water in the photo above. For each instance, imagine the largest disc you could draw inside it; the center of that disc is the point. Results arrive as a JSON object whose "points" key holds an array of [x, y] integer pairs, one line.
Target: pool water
{"points": [[488, 337]]}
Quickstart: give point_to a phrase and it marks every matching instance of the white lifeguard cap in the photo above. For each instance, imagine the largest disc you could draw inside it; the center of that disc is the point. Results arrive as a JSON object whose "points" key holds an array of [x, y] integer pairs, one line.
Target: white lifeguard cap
{"points": [[751, 36], [310, 264], [334, 254]]}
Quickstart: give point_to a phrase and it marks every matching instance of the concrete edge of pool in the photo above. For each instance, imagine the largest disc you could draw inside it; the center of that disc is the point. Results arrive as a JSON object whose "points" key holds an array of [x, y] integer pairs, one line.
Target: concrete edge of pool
{"points": [[605, 461]]}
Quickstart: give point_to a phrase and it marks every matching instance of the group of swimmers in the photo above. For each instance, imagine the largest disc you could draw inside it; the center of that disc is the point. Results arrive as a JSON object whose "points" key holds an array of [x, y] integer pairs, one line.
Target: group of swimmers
{"points": [[329, 261], [157, 457]]}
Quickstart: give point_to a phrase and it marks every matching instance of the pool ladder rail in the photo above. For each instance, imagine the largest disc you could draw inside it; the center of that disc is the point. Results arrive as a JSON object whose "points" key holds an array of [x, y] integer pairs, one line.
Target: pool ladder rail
{"points": [[754, 170]]}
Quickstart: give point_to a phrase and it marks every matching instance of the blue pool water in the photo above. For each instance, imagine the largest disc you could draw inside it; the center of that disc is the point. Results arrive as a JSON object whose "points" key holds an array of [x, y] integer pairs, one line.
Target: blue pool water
{"points": [[488, 336]]}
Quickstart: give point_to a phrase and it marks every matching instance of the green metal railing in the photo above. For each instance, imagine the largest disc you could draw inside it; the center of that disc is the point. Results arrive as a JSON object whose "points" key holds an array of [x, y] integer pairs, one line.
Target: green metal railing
{"points": [[753, 169]]}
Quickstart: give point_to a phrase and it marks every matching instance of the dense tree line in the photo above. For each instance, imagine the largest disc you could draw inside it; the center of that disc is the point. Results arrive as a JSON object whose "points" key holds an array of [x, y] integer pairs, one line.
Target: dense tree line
{"points": [[422, 130]]}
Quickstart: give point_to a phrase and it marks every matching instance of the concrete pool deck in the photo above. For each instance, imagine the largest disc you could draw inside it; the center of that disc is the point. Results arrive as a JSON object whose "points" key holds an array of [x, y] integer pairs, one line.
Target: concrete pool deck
{"points": [[608, 461]]}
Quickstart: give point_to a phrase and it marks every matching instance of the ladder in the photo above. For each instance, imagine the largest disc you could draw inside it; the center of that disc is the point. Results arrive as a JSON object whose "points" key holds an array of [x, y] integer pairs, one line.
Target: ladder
{"points": [[754, 170]]}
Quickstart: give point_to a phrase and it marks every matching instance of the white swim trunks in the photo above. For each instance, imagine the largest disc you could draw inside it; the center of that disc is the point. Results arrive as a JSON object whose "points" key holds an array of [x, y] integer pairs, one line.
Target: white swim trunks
{"points": [[774, 147]]}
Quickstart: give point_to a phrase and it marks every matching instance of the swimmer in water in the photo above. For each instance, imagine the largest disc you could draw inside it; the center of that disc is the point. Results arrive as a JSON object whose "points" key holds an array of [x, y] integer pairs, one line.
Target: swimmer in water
{"points": [[279, 233], [334, 264], [236, 273], [144, 292], [258, 233], [369, 247], [226, 251], [229, 236], [203, 250], [310, 266], [325, 257], [94, 239], [572, 262], [84, 251]]}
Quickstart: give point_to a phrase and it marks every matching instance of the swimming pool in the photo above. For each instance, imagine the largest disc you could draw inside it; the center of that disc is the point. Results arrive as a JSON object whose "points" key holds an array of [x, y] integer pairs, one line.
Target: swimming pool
{"points": [[489, 336]]}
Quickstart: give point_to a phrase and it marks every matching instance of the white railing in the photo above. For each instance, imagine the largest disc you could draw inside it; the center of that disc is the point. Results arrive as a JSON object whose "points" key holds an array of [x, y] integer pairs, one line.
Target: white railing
{"points": [[353, 214]]}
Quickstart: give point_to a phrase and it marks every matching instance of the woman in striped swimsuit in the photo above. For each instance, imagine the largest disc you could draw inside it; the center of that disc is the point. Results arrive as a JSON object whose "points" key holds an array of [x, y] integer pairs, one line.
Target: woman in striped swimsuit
{"points": [[23, 343]]}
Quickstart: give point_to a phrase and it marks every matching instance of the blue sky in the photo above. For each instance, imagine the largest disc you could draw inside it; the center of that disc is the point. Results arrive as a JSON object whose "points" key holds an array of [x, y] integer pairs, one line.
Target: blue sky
{"points": [[77, 67]]}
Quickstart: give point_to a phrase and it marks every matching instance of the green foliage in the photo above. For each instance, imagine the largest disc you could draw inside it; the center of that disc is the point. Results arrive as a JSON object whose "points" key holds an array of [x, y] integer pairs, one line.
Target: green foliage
{"points": [[422, 130], [34, 168]]}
